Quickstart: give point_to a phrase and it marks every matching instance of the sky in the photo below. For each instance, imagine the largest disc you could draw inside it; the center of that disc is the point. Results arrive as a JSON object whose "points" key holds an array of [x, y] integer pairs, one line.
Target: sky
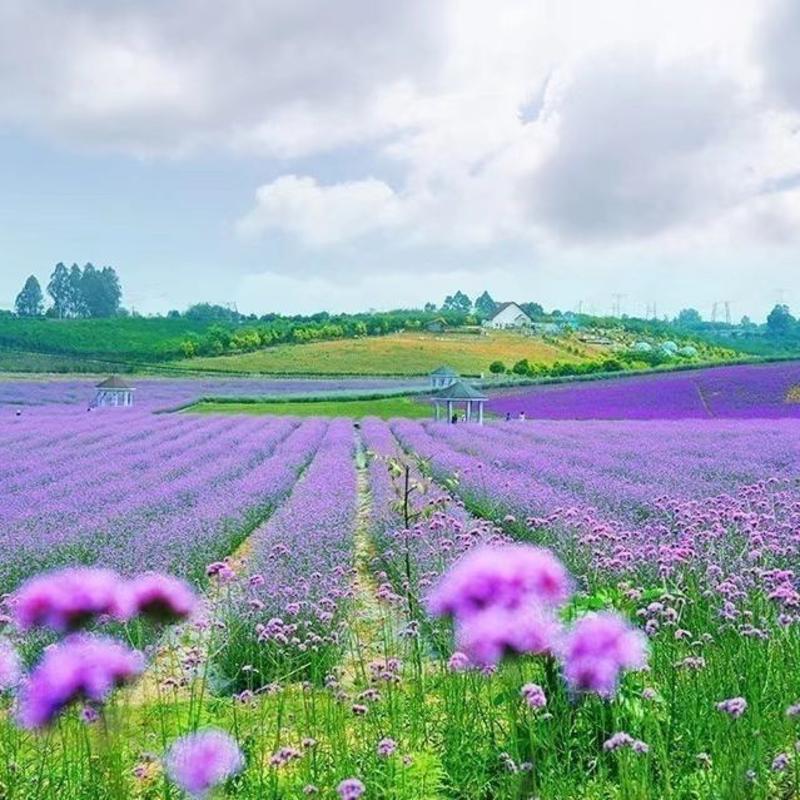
{"points": [[301, 155]]}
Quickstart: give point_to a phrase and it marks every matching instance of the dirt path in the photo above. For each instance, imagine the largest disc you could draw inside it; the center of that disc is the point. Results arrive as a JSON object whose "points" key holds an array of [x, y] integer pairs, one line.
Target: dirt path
{"points": [[373, 627]]}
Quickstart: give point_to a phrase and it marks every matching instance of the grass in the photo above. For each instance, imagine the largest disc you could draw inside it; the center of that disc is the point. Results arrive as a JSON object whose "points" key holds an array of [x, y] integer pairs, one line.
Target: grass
{"points": [[399, 354], [385, 408]]}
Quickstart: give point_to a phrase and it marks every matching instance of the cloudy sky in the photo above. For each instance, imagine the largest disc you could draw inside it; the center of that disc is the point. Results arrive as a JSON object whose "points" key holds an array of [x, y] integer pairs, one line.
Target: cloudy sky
{"points": [[293, 155]]}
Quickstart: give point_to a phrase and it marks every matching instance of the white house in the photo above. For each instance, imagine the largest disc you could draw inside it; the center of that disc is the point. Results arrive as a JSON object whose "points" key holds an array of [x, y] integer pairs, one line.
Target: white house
{"points": [[508, 315]]}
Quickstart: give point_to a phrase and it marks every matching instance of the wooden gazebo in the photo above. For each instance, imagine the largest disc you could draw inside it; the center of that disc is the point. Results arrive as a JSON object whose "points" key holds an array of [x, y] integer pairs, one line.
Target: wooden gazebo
{"points": [[456, 394], [443, 376], [113, 392]]}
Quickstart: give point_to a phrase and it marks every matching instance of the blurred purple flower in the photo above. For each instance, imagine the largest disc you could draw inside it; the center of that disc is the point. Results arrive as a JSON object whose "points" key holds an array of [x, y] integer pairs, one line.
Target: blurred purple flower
{"points": [[70, 598], [161, 597], [200, 761], [597, 649], [82, 667], [507, 577]]}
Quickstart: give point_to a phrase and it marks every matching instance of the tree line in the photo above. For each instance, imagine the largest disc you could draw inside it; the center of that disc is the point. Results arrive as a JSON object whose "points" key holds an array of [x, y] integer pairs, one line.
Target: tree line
{"points": [[75, 293]]}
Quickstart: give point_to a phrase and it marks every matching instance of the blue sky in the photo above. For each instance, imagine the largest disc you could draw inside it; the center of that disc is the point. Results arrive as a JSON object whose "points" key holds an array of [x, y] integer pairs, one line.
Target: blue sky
{"points": [[297, 155]]}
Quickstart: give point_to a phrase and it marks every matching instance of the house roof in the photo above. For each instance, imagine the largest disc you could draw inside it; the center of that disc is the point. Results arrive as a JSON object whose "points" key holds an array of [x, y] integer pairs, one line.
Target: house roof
{"points": [[503, 306], [445, 370], [114, 382], [458, 391]]}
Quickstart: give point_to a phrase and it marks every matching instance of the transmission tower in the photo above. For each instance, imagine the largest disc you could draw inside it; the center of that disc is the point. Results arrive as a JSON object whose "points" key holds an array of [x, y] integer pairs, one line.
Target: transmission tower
{"points": [[616, 308], [727, 312]]}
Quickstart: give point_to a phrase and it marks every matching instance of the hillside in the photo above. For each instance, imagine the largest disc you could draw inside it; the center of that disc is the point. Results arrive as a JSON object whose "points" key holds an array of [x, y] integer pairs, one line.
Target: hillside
{"points": [[409, 353], [65, 344]]}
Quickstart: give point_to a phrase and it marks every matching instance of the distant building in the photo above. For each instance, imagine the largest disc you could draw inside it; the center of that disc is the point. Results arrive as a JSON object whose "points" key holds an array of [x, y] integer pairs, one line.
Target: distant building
{"points": [[442, 377], [437, 325], [508, 315], [113, 392]]}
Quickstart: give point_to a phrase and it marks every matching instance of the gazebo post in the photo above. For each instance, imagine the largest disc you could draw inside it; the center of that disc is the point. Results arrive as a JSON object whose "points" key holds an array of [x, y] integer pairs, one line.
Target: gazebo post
{"points": [[469, 410], [480, 413]]}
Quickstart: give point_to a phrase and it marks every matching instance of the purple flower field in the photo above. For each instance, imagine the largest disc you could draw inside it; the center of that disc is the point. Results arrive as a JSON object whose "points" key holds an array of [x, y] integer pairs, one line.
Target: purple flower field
{"points": [[588, 608], [736, 392]]}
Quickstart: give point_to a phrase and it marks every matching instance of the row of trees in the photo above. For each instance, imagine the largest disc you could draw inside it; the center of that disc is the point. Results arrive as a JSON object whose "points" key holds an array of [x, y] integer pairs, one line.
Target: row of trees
{"points": [[483, 307], [75, 293]]}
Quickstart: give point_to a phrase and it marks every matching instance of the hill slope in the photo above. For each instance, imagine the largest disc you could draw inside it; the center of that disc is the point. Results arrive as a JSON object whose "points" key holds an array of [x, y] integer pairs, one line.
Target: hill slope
{"points": [[409, 353]]}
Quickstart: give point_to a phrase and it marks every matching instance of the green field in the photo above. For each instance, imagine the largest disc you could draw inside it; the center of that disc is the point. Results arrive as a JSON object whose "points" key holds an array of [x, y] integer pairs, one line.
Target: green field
{"points": [[408, 353], [386, 408], [121, 339]]}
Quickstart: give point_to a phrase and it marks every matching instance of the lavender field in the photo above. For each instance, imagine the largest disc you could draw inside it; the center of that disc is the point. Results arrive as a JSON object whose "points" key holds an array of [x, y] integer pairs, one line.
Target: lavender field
{"points": [[261, 607], [765, 391]]}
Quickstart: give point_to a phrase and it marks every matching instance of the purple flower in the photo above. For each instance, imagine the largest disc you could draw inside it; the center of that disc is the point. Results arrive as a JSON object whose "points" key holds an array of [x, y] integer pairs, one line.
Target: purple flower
{"points": [[534, 695], [780, 762], [597, 649], [506, 577], [70, 598], [488, 636], [200, 761], [162, 597], [386, 747], [734, 706], [9, 666], [82, 667], [458, 662], [622, 739], [350, 789]]}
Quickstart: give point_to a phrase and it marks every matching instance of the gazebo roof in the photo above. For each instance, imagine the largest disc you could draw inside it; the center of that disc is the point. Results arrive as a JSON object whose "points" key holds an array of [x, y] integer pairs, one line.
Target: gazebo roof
{"points": [[445, 370], [458, 391], [114, 382]]}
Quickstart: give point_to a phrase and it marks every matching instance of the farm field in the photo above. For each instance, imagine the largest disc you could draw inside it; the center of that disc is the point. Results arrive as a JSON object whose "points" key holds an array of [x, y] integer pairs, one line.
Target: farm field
{"points": [[632, 630], [384, 407], [409, 353], [741, 391]]}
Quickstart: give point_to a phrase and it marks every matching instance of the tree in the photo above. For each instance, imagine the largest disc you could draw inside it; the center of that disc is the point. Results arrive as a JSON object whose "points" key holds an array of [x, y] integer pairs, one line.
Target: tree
{"points": [[780, 322], [59, 289], [30, 302], [76, 307], [430, 308], [457, 302], [100, 292], [533, 310], [689, 318], [485, 306], [497, 367]]}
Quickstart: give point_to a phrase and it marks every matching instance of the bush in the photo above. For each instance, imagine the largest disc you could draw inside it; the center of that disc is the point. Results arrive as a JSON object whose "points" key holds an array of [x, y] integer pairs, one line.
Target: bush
{"points": [[521, 367], [497, 367]]}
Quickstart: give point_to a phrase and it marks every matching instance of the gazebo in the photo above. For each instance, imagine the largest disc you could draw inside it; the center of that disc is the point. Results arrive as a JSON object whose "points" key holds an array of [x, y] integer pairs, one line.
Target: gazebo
{"points": [[443, 376], [456, 393], [114, 392]]}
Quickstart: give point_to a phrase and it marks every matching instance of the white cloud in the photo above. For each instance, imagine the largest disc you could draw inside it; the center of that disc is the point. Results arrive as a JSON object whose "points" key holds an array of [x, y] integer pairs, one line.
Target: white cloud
{"points": [[322, 215]]}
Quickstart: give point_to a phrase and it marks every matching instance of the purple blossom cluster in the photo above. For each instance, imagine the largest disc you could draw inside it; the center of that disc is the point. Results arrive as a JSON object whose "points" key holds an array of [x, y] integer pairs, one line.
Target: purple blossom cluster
{"points": [[504, 600], [742, 392]]}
